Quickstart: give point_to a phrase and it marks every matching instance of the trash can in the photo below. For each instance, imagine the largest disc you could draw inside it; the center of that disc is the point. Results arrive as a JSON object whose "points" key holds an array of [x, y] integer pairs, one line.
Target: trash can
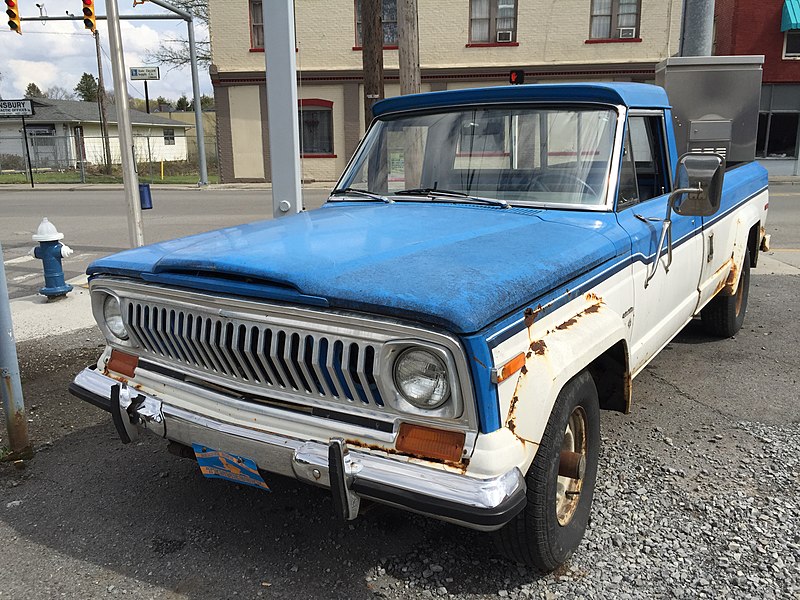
{"points": [[145, 199]]}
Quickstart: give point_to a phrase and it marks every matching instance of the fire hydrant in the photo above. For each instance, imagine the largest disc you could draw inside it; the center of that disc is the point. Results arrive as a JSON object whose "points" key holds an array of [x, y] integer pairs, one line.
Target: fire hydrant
{"points": [[50, 251]]}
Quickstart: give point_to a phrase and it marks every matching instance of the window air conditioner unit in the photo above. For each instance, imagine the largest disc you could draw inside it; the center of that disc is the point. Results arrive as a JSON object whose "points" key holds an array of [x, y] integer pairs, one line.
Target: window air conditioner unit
{"points": [[627, 32], [504, 36]]}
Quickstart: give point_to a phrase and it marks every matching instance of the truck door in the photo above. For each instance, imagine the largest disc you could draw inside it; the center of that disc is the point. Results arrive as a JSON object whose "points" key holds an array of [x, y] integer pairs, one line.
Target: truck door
{"points": [[667, 302]]}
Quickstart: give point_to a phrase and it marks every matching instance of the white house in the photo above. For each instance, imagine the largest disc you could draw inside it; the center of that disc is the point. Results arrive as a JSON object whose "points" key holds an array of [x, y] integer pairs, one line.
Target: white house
{"points": [[61, 132]]}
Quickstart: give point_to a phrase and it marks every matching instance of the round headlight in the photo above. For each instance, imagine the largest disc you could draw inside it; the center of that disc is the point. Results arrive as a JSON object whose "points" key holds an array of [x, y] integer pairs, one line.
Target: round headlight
{"points": [[113, 317], [421, 377]]}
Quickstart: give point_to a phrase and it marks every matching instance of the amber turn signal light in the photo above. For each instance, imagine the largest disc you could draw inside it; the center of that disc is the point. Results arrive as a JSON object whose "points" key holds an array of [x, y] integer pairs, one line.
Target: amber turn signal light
{"points": [[511, 367], [427, 442], [124, 364]]}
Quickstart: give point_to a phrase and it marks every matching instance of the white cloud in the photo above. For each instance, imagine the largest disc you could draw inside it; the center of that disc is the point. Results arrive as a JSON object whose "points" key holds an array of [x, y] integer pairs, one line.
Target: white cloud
{"points": [[58, 52]]}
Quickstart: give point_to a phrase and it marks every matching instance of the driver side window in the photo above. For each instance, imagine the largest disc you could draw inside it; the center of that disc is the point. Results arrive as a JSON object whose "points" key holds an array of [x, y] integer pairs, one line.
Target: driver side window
{"points": [[644, 172]]}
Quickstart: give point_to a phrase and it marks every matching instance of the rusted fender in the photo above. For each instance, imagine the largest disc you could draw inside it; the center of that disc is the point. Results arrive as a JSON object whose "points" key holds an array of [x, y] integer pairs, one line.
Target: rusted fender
{"points": [[558, 348]]}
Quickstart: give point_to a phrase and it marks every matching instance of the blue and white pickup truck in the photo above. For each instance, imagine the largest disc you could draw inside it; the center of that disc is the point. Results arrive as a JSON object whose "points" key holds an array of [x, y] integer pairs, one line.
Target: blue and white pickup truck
{"points": [[493, 269]]}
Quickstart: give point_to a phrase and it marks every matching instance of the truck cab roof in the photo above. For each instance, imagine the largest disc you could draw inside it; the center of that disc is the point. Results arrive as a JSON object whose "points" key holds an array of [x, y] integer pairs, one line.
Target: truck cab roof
{"points": [[631, 95]]}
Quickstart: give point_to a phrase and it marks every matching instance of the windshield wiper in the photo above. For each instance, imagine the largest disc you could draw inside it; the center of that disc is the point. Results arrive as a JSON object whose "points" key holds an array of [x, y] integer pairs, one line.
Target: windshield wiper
{"points": [[433, 193], [358, 192]]}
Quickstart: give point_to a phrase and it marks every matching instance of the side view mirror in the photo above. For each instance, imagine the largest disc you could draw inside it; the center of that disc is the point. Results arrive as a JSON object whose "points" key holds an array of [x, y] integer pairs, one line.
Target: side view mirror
{"points": [[697, 193], [699, 185]]}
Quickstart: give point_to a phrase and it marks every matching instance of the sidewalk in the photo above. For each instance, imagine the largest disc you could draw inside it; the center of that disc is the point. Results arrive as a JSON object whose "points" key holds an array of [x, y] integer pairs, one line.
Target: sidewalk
{"points": [[105, 187], [35, 318]]}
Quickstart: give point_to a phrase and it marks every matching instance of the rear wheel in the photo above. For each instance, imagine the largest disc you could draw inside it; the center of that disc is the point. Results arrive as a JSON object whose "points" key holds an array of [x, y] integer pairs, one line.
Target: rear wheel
{"points": [[723, 316], [560, 482]]}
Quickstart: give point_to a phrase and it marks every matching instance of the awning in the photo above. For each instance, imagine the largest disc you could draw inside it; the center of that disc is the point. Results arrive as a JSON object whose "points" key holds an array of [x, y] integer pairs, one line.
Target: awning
{"points": [[791, 15]]}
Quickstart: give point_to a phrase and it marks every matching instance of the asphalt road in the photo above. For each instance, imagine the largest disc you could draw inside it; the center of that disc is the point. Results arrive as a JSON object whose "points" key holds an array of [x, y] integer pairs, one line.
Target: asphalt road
{"points": [[94, 222]]}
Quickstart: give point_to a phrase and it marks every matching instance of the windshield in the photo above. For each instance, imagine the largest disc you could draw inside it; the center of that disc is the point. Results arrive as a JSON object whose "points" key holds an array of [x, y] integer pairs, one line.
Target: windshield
{"points": [[522, 155]]}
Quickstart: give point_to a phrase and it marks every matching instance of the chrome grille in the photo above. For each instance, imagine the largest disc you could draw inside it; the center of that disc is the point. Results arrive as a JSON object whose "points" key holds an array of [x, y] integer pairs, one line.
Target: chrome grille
{"points": [[271, 357]]}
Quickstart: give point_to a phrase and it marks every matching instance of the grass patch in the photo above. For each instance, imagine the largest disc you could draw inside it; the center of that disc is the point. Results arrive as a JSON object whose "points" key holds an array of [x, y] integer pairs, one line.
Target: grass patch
{"points": [[71, 177]]}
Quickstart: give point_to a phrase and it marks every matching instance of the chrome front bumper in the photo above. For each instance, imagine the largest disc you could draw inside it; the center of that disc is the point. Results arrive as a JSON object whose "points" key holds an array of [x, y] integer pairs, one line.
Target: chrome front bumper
{"points": [[351, 474]]}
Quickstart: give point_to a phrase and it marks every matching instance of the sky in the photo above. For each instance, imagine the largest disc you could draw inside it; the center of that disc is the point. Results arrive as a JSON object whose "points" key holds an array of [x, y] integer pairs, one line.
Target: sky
{"points": [[59, 52]]}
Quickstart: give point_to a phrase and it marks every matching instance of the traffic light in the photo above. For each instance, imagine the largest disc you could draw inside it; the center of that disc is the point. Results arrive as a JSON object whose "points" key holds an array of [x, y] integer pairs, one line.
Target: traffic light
{"points": [[12, 10], [88, 15], [516, 77]]}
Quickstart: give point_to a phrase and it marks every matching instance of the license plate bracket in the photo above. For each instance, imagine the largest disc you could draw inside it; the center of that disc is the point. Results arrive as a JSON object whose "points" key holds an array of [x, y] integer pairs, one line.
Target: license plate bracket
{"points": [[215, 464]]}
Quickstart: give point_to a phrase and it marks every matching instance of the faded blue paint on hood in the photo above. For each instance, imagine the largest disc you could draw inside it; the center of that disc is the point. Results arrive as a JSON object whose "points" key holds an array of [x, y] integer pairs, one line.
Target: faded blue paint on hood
{"points": [[458, 266]]}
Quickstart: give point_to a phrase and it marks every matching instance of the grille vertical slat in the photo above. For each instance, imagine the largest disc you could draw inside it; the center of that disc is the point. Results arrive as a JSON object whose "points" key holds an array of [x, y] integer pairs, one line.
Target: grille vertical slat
{"points": [[237, 345], [199, 333], [306, 353], [362, 377], [347, 352], [291, 358]]}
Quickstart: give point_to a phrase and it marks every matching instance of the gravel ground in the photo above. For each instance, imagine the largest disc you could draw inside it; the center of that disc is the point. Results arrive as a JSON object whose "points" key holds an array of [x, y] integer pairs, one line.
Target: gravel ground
{"points": [[697, 497]]}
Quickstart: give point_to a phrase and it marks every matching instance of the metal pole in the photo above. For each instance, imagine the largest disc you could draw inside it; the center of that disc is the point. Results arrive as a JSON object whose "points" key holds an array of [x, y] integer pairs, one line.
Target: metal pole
{"points": [[10, 384], [104, 18], [27, 149], [284, 129], [101, 101], [198, 111], [82, 154], [146, 98], [697, 37], [129, 176]]}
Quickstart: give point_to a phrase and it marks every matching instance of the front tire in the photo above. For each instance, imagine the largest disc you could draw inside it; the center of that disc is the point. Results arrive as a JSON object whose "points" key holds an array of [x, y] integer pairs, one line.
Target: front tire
{"points": [[546, 533], [723, 316]]}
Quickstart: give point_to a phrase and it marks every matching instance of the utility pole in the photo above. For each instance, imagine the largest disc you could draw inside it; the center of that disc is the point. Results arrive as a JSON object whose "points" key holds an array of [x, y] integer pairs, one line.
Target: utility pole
{"points": [[129, 175], [697, 35], [408, 46], [101, 101], [371, 55]]}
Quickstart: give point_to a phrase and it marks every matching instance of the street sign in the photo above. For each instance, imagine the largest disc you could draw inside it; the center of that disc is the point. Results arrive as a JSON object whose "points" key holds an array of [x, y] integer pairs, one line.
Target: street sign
{"points": [[144, 73], [16, 108]]}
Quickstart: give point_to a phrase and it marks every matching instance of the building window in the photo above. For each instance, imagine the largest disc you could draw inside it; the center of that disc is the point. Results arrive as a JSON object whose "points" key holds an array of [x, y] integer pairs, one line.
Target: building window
{"points": [[316, 127], [614, 19], [492, 21], [389, 18], [791, 44], [169, 137], [256, 24], [777, 135]]}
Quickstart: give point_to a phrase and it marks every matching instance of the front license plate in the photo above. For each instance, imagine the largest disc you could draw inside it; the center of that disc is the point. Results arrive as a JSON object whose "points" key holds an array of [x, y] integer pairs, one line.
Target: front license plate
{"points": [[221, 465]]}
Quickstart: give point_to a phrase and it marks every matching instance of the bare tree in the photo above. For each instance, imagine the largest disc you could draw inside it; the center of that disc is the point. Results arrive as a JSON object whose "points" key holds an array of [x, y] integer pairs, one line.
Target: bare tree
{"points": [[57, 92], [175, 52]]}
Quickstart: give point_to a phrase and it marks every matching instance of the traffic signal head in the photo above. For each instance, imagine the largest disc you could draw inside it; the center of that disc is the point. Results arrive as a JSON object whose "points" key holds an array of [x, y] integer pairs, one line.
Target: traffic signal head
{"points": [[516, 77], [12, 10], [88, 15]]}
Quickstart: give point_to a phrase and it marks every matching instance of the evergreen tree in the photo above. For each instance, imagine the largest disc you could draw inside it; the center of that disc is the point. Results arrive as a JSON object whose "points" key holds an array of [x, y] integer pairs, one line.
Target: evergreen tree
{"points": [[182, 103], [33, 91], [87, 88]]}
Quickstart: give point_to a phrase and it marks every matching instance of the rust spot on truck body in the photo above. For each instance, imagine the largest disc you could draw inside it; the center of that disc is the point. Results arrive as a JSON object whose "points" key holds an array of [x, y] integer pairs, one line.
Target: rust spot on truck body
{"points": [[512, 415], [538, 347]]}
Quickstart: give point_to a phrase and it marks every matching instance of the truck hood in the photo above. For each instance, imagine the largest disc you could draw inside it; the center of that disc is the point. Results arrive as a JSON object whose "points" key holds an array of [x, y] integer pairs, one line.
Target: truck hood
{"points": [[457, 266]]}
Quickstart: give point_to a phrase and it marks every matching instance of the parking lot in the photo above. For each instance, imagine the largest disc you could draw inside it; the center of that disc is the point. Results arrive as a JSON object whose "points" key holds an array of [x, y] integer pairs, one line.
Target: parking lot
{"points": [[697, 493]]}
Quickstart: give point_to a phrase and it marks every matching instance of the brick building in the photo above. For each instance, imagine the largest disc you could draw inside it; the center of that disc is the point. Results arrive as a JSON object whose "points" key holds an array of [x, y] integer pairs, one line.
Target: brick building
{"points": [[463, 43], [771, 28]]}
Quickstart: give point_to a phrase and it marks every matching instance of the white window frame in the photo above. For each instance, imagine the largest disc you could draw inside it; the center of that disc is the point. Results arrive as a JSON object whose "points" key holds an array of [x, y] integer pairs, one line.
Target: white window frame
{"points": [[614, 27], [493, 12], [785, 42]]}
